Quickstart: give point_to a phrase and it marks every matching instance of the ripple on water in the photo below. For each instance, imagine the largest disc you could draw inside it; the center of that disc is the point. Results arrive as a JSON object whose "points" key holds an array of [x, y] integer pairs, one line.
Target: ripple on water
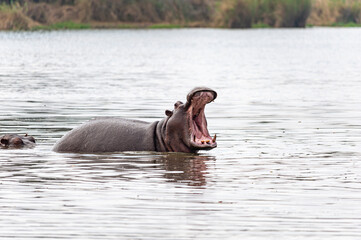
{"points": [[286, 119]]}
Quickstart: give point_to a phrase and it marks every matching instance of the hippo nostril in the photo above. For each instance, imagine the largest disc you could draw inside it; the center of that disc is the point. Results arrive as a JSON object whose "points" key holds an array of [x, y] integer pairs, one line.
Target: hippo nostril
{"points": [[197, 94], [4, 141]]}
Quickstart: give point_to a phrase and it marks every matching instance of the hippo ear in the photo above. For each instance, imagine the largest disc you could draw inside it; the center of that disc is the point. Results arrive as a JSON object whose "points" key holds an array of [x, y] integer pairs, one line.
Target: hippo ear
{"points": [[4, 141], [31, 139], [168, 113]]}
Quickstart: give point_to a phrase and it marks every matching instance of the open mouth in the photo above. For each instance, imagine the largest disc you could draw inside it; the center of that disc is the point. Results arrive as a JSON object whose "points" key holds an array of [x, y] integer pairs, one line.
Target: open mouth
{"points": [[199, 134]]}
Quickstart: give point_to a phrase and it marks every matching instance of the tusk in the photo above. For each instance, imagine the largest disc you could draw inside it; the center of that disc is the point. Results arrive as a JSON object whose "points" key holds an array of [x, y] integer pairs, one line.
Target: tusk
{"points": [[214, 138]]}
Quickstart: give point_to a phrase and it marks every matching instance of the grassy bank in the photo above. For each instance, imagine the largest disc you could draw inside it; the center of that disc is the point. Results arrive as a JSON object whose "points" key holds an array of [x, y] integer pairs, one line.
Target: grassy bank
{"points": [[13, 18], [273, 13], [62, 25], [73, 25], [335, 13], [84, 14]]}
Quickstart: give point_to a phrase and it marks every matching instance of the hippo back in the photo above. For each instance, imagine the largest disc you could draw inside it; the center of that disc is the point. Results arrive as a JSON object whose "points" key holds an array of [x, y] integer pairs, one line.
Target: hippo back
{"points": [[109, 135]]}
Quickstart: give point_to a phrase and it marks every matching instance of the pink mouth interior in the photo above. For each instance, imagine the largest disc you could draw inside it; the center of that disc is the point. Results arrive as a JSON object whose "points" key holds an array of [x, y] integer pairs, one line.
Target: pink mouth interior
{"points": [[198, 123]]}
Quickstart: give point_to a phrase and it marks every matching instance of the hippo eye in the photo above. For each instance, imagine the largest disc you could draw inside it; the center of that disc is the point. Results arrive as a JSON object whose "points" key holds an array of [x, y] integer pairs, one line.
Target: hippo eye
{"points": [[17, 141], [177, 104]]}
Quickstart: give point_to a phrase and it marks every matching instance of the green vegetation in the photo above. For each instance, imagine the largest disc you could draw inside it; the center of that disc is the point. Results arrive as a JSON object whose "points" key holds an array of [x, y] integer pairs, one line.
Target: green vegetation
{"points": [[335, 13], [274, 13], [349, 24], [260, 25], [6, 8], [84, 14], [164, 26], [63, 25], [12, 18]]}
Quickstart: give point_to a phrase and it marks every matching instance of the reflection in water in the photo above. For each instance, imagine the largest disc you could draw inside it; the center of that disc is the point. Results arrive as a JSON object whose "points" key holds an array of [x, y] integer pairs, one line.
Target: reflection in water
{"points": [[186, 168], [175, 167]]}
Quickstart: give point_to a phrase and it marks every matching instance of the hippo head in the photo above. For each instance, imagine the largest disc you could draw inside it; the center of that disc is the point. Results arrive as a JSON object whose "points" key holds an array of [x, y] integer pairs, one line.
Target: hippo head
{"points": [[186, 127], [16, 141]]}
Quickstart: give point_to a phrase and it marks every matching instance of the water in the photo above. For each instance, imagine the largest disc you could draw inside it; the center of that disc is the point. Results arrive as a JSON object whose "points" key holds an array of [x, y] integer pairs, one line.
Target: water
{"points": [[287, 120]]}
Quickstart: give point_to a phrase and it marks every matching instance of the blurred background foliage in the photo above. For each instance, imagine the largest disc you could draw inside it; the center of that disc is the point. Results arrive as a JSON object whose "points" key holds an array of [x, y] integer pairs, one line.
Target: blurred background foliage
{"points": [[55, 14]]}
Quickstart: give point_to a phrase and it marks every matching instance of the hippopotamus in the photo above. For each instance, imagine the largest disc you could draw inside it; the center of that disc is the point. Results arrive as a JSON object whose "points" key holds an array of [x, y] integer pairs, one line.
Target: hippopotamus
{"points": [[17, 141], [184, 129]]}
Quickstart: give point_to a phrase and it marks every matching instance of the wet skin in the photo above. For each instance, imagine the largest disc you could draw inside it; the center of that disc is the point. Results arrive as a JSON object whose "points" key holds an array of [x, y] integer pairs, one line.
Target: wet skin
{"points": [[182, 130], [16, 141]]}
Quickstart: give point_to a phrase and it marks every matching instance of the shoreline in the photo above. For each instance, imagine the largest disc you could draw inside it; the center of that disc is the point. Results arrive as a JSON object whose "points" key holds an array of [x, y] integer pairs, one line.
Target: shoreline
{"points": [[69, 25], [158, 14], [89, 26]]}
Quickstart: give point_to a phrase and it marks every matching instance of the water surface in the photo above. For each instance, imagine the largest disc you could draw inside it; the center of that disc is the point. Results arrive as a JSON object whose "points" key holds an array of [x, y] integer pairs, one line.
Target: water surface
{"points": [[287, 119]]}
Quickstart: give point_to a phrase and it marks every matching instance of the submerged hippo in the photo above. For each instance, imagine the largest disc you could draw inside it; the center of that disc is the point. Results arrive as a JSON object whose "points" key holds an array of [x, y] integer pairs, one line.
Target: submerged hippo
{"points": [[182, 130], [16, 141]]}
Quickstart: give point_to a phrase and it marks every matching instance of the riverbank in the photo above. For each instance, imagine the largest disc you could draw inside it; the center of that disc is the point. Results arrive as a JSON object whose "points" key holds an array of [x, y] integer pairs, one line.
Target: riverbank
{"points": [[85, 14]]}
